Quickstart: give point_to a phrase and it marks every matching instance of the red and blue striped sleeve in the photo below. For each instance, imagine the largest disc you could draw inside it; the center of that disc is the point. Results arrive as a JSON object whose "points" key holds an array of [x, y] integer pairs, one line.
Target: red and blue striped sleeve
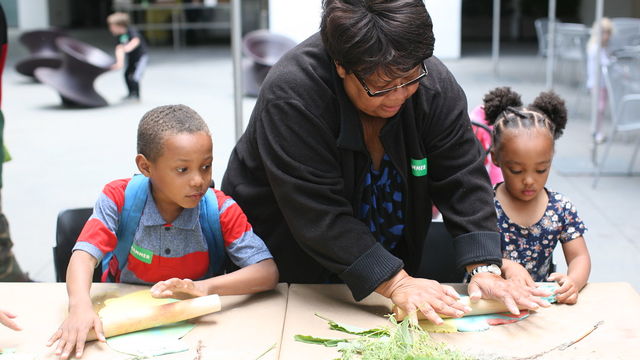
{"points": [[243, 246], [98, 235]]}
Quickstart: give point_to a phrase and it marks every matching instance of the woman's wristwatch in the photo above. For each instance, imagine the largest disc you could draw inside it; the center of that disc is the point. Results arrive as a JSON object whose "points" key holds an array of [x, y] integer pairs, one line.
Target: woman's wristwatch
{"points": [[494, 269]]}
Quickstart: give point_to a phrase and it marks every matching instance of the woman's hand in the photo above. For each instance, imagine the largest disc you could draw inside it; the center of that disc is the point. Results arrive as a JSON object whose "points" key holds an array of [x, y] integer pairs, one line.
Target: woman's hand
{"points": [[515, 272], [428, 296], [511, 293], [73, 331], [178, 287], [567, 293], [6, 319]]}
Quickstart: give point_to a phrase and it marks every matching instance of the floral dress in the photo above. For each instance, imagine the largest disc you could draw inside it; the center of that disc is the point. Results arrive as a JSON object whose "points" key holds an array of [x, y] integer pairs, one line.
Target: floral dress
{"points": [[532, 246]]}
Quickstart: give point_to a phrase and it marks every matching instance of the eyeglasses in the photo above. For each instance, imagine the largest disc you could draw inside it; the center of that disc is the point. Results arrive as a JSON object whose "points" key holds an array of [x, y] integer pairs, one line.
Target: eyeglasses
{"points": [[386, 91]]}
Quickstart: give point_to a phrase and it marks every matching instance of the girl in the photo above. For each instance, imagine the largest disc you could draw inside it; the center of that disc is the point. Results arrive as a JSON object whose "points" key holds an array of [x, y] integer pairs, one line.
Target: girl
{"points": [[606, 29], [531, 218]]}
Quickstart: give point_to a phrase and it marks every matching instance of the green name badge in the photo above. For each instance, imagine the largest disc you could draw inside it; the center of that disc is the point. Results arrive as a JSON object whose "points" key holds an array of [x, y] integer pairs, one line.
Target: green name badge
{"points": [[144, 255], [419, 167]]}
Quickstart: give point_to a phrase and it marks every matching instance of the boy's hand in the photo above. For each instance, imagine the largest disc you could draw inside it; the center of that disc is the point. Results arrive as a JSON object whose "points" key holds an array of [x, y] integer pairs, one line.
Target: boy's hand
{"points": [[567, 293], [73, 331], [515, 272], [6, 319], [173, 287]]}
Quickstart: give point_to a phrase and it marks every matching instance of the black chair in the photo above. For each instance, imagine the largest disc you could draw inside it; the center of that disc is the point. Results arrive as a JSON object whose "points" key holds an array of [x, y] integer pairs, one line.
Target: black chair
{"points": [[69, 226], [81, 65], [43, 51], [262, 50], [438, 256], [477, 126]]}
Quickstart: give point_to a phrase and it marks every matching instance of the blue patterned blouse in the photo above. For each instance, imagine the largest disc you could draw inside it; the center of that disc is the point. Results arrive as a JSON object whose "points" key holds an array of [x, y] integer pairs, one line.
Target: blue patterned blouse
{"points": [[381, 204], [532, 246]]}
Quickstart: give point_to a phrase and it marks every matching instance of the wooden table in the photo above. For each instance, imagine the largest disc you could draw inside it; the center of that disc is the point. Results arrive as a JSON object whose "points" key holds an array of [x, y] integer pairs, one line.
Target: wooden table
{"points": [[618, 304], [249, 325], [246, 326]]}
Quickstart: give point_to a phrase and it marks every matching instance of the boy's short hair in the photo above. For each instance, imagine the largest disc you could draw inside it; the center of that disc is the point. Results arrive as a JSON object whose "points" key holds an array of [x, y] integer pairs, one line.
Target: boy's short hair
{"points": [[166, 120], [118, 18]]}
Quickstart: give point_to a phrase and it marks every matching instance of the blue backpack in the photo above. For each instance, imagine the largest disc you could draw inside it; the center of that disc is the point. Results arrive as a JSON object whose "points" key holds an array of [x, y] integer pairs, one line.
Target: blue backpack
{"points": [[135, 197]]}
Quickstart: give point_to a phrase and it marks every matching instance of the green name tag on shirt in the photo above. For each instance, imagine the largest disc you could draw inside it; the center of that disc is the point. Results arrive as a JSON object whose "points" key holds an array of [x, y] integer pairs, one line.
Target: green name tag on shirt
{"points": [[144, 255], [419, 167]]}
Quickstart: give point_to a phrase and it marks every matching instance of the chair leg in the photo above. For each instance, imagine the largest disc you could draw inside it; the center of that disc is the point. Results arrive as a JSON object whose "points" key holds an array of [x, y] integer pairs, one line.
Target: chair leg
{"points": [[602, 161], [635, 154]]}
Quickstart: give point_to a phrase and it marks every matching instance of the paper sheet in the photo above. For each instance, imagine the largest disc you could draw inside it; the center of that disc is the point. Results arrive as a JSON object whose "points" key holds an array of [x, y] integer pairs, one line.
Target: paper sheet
{"points": [[151, 342], [482, 322]]}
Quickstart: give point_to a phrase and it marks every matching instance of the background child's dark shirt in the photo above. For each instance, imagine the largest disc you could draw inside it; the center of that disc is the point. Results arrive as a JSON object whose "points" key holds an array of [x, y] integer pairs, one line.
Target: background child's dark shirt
{"points": [[139, 51]]}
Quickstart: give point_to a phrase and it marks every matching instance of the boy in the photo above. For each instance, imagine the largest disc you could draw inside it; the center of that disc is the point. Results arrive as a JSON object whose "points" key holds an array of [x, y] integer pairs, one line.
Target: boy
{"points": [[175, 153], [131, 44]]}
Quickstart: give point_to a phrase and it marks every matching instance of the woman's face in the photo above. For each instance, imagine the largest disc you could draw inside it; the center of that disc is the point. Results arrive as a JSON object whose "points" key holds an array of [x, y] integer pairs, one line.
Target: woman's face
{"points": [[386, 105]]}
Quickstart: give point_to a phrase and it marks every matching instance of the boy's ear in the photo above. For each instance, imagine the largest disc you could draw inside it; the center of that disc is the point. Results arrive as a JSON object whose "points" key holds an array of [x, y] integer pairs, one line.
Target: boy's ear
{"points": [[144, 165]]}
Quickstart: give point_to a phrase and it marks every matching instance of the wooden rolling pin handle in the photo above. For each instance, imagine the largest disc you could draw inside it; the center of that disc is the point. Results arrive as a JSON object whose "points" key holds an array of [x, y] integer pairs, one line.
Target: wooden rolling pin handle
{"points": [[480, 307], [141, 319]]}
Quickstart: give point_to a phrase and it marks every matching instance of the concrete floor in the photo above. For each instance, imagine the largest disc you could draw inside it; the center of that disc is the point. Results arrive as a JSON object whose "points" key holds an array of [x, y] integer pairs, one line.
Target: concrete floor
{"points": [[63, 157]]}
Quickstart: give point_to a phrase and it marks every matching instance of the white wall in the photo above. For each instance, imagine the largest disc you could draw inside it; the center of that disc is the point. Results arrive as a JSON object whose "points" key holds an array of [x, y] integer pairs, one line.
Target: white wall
{"points": [[295, 19], [300, 19], [446, 17], [33, 14]]}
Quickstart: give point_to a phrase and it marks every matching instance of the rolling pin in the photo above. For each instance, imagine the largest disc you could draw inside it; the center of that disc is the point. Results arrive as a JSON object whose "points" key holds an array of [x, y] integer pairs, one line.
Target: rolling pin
{"points": [[480, 307], [145, 318]]}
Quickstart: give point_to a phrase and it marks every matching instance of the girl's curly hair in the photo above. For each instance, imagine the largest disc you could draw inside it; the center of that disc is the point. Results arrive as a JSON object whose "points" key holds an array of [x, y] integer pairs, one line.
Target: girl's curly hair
{"points": [[503, 109], [498, 100], [551, 105]]}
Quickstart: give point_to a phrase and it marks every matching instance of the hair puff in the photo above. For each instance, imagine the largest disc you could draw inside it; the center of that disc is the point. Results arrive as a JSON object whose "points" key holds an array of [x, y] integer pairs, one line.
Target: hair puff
{"points": [[551, 105], [498, 100]]}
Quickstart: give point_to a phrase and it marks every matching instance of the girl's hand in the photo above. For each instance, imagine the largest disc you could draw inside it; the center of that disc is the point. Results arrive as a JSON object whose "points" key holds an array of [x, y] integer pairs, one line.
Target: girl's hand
{"points": [[567, 293], [515, 272], [510, 293], [176, 287], [6, 319], [73, 331]]}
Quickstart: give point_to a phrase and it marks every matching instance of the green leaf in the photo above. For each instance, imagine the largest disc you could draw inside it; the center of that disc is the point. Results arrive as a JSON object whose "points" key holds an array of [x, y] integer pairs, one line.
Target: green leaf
{"points": [[319, 341], [353, 330]]}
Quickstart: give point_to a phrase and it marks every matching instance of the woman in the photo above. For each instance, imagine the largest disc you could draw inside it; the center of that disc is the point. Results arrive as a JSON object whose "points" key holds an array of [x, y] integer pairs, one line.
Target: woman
{"points": [[355, 133]]}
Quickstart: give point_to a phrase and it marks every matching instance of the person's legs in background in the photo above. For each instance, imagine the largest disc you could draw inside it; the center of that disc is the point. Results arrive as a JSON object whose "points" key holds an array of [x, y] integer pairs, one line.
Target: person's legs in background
{"points": [[9, 268], [132, 76]]}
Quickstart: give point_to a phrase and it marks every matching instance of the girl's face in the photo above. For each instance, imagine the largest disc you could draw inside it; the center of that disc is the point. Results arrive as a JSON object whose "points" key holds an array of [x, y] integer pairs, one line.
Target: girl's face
{"points": [[524, 156]]}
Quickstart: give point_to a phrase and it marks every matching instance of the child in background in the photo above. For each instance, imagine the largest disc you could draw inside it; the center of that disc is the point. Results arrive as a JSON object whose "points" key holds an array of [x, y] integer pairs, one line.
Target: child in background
{"points": [[6, 319], [531, 218], [130, 45], [606, 29], [175, 154]]}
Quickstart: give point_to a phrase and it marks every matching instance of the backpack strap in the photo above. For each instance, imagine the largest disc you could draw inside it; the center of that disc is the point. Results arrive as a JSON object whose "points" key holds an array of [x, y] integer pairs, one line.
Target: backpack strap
{"points": [[135, 198], [210, 224]]}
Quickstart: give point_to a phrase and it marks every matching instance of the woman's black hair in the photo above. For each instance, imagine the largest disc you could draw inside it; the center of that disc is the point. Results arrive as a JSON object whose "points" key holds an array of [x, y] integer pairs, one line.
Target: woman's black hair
{"points": [[366, 35], [503, 109]]}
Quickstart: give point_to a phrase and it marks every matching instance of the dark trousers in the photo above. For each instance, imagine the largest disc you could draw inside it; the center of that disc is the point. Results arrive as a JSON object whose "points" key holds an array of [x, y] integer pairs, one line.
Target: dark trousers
{"points": [[133, 74], [9, 269]]}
